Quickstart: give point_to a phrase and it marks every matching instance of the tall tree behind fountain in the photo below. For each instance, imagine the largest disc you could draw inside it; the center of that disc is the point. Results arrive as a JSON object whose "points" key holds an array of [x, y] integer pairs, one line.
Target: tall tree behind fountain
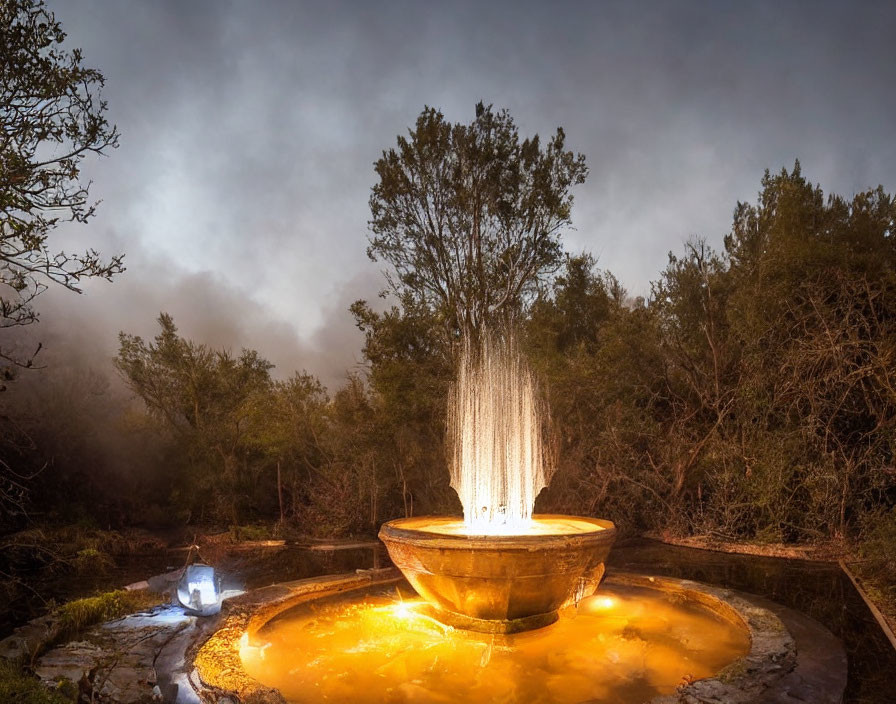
{"points": [[468, 219]]}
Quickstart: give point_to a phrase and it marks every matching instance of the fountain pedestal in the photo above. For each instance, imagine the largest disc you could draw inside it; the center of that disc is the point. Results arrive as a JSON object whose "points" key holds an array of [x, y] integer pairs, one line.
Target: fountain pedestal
{"points": [[500, 583]]}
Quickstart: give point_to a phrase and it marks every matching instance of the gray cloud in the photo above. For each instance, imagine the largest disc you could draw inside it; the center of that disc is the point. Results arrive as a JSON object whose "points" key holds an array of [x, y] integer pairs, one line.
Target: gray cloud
{"points": [[82, 330], [249, 130]]}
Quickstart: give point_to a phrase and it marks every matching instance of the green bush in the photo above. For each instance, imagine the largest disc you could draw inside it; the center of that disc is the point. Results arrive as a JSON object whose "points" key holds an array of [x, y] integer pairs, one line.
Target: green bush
{"points": [[92, 561], [19, 687], [252, 532]]}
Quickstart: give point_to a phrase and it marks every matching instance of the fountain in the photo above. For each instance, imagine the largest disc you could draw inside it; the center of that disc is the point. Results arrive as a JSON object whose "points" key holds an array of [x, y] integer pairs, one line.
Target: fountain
{"points": [[510, 608], [501, 569]]}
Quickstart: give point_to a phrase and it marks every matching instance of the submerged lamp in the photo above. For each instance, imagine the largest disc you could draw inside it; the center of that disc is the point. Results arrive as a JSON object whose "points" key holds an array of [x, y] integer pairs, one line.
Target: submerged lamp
{"points": [[199, 590]]}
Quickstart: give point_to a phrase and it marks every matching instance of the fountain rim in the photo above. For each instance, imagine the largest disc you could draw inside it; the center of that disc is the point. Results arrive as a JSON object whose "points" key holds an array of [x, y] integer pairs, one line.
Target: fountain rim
{"points": [[398, 530]]}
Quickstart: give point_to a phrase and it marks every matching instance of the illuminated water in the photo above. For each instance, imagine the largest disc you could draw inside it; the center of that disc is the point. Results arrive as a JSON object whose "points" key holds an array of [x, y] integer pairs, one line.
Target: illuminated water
{"points": [[566, 525], [625, 645], [498, 463]]}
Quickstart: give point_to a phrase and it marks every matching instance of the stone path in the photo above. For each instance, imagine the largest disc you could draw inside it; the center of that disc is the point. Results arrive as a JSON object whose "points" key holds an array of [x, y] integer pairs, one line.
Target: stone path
{"points": [[117, 661]]}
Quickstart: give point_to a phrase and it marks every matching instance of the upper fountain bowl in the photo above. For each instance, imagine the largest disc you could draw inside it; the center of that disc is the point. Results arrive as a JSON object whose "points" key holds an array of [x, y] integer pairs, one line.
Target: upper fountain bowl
{"points": [[500, 583]]}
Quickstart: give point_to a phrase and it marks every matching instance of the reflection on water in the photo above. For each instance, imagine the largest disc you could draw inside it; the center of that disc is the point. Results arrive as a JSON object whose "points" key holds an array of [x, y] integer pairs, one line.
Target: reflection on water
{"points": [[626, 644], [818, 589]]}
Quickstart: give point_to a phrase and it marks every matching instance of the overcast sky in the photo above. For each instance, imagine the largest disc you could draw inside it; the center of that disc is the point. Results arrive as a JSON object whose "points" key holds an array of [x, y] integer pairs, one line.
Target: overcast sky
{"points": [[249, 131]]}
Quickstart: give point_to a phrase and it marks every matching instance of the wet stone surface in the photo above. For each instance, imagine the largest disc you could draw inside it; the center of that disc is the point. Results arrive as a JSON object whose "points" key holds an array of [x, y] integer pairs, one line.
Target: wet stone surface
{"points": [[117, 661], [27, 639]]}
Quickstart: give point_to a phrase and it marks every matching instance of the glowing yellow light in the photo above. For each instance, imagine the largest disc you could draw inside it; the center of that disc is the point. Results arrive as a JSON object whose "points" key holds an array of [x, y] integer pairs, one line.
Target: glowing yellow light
{"points": [[594, 604], [386, 648], [605, 602], [402, 610]]}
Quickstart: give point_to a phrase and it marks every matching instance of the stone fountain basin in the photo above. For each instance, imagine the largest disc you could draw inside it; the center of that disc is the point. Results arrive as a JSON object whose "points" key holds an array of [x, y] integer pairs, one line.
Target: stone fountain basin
{"points": [[500, 583], [791, 656]]}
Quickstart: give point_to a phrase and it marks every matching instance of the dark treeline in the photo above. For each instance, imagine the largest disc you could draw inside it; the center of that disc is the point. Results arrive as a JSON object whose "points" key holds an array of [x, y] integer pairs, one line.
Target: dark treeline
{"points": [[751, 396]]}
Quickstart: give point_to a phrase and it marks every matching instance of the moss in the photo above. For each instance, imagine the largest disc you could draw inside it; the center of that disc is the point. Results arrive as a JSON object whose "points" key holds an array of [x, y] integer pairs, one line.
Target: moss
{"points": [[78, 615], [21, 688], [733, 672]]}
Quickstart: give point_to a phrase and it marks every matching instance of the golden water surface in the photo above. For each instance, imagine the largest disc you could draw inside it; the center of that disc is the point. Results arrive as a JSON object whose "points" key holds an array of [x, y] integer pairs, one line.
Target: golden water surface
{"points": [[624, 645], [567, 525]]}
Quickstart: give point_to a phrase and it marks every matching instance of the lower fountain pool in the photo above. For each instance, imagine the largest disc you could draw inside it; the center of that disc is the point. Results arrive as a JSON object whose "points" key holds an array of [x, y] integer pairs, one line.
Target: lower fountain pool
{"points": [[627, 644]]}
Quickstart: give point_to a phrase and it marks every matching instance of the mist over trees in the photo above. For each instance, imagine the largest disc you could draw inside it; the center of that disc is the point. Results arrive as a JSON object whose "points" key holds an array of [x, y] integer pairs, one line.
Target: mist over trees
{"points": [[751, 396], [53, 116]]}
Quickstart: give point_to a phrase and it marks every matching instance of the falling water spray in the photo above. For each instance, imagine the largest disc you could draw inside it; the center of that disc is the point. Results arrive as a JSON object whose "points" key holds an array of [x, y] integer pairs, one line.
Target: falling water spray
{"points": [[498, 463]]}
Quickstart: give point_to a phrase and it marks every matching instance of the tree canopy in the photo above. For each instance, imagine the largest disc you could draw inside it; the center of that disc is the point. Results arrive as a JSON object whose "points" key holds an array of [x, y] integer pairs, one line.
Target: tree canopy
{"points": [[53, 116], [205, 397], [470, 217]]}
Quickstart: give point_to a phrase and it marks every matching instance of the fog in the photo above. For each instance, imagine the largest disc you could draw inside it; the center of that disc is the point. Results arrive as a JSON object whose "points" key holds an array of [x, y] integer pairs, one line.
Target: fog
{"points": [[239, 192]]}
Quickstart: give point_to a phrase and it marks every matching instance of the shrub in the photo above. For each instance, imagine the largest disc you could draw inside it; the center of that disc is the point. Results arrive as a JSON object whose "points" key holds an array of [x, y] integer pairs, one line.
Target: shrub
{"points": [[21, 688], [92, 561], [877, 549]]}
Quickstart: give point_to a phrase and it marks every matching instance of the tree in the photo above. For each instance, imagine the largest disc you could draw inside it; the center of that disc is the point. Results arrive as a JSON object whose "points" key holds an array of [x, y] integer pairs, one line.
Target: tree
{"points": [[409, 376], [206, 399], [470, 218], [812, 307], [583, 299], [290, 427], [52, 116]]}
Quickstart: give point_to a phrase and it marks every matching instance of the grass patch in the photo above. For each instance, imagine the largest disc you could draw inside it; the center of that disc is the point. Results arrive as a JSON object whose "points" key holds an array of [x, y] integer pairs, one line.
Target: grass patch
{"points": [[91, 560], [79, 615], [21, 688]]}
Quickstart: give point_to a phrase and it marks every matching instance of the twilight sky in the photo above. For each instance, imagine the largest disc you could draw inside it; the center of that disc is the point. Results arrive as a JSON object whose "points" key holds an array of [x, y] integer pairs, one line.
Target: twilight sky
{"points": [[249, 131]]}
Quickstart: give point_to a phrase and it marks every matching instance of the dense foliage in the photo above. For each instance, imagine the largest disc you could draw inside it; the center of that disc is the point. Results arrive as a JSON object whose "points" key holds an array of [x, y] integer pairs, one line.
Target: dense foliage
{"points": [[469, 217], [750, 396]]}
